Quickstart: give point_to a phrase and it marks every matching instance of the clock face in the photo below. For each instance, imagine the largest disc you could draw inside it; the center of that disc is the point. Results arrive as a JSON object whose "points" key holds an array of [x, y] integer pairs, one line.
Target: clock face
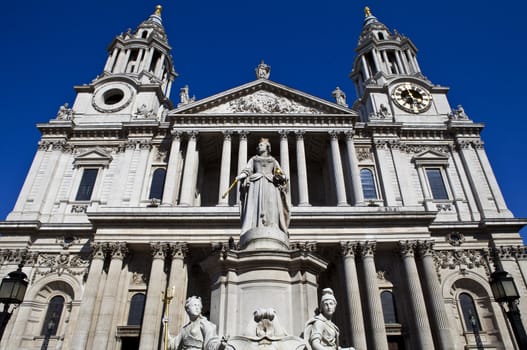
{"points": [[411, 98]]}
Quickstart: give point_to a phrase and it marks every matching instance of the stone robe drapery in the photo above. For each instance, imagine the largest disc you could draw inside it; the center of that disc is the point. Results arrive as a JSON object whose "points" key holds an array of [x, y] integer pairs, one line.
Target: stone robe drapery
{"points": [[263, 195]]}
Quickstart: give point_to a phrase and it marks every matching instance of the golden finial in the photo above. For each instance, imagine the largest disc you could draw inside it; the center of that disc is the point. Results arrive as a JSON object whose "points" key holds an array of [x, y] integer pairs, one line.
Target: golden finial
{"points": [[158, 10], [367, 11]]}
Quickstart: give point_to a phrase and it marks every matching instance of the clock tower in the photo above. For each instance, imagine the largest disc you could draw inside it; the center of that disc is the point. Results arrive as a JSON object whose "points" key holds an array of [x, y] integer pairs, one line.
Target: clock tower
{"points": [[389, 83]]}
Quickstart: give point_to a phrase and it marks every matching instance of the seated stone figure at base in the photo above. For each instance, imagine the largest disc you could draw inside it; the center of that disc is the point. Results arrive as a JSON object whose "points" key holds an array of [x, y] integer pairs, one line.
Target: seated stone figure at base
{"points": [[199, 333], [321, 333]]}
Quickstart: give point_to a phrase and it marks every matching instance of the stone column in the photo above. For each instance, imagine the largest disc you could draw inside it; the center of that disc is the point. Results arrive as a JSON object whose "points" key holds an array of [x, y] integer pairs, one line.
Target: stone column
{"points": [[376, 326], [423, 334], [353, 161], [242, 157], [358, 334], [365, 68], [104, 326], [179, 279], [151, 326], [89, 297], [337, 169], [303, 192], [225, 170], [169, 192], [434, 298], [284, 158], [189, 173]]}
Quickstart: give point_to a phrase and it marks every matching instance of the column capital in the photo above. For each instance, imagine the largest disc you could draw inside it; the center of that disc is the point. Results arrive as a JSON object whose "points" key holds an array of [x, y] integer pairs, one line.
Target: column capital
{"points": [[300, 134], [425, 248], [349, 134], [118, 250], [283, 133], [407, 248], [176, 134], [227, 134], [98, 250], [348, 249], [334, 134], [367, 249], [178, 250], [193, 134], [158, 250], [243, 134]]}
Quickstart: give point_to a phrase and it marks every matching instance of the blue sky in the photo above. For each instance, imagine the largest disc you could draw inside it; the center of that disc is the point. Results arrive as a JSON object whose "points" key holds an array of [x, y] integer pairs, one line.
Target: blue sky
{"points": [[475, 49]]}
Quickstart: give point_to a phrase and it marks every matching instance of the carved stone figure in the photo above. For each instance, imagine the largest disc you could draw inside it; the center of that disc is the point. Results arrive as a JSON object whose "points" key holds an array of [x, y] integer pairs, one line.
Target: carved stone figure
{"points": [[198, 333], [263, 71], [340, 97], [263, 192], [321, 333], [64, 112]]}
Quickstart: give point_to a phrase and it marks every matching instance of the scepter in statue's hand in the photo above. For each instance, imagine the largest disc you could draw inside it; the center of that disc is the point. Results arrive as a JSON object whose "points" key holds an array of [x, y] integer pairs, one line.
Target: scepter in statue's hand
{"points": [[230, 188]]}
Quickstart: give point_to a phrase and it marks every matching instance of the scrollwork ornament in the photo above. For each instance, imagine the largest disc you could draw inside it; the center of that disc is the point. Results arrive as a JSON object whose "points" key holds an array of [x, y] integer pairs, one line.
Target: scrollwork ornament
{"points": [[407, 248], [425, 248], [178, 250], [158, 250], [118, 250], [348, 249], [367, 249]]}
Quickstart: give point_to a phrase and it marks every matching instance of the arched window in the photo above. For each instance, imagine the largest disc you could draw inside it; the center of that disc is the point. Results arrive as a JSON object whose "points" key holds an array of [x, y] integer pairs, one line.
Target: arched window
{"points": [[137, 306], [470, 315], [388, 307], [368, 184], [158, 182], [51, 322]]}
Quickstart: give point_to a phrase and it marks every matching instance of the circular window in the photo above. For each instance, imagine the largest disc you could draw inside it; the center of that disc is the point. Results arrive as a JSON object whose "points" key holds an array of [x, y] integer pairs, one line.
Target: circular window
{"points": [[113, 96]]}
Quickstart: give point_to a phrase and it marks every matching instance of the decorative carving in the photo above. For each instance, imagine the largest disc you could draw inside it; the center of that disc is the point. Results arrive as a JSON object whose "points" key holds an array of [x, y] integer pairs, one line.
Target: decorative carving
{"points": [[144, 113], [243, 134], [455, 238], [118, 250], [227, 134], [65, 113], [67, 241], [458, 114], [79, 208], [425, 248], [184, 97], [334, 134], [304, 247], [348, 249], [263, 71], [263, 102], [444, 207], [158, 250], [367, 249], [139, 278], [509, 252], [178, 250], [461, 258], [407, 248], [363, 153], [381, 275], [139, 144], [60, 263], [99, 250], [411, 148], [283, 134], [381, 114], [340, 97]]}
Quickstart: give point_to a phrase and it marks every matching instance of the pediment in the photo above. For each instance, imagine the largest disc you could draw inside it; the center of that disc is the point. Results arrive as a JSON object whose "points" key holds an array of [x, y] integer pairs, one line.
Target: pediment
{"points": [[263, 97], [431, 157], [95, 157]]}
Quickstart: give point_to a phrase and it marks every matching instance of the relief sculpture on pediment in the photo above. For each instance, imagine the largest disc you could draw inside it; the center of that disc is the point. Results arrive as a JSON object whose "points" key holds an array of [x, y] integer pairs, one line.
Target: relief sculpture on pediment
{"points": [[263, 102]]}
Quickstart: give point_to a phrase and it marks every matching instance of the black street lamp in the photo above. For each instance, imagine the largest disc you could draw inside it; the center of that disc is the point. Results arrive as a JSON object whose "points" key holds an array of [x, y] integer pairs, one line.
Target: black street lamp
{"points": [[12, 291], [505, 291]]}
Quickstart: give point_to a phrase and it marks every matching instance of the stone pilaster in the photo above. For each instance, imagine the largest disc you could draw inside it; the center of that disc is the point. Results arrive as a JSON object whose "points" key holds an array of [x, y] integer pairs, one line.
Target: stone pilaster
{"points": [[303, 192], [150, 328], [423, 334], [118, 251], [169, 192], [225, 170], [82, 326], [435, 300], [375, 325], [357, 331]]}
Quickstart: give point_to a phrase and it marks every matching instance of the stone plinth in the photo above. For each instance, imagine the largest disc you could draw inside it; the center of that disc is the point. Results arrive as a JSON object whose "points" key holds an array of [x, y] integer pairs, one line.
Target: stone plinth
{"points": [[269, 238], [243, 281]]}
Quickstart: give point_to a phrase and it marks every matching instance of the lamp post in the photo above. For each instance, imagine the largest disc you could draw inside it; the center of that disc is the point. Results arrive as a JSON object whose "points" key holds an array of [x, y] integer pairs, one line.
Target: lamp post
{"points": [[505, 291], [12, 291]]}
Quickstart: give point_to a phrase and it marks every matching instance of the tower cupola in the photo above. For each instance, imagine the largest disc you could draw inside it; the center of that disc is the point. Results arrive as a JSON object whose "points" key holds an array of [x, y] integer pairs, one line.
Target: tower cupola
{"points": [[382, 55], [143, 54]]}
